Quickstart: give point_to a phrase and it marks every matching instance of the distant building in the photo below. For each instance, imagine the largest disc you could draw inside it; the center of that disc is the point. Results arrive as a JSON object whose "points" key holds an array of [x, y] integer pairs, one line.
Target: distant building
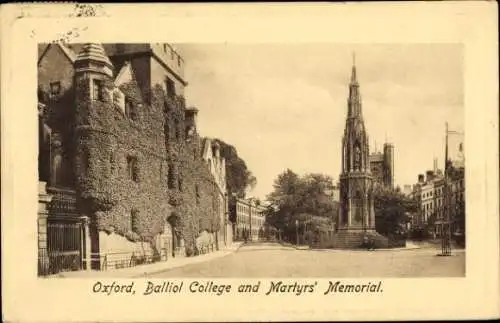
{"points": [[435, 193], [407, 189], [382, 166], [248, 219]]}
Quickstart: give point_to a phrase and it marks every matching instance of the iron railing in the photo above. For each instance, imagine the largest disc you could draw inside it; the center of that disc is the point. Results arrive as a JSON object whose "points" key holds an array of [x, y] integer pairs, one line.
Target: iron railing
{"points": [[53, 262]]}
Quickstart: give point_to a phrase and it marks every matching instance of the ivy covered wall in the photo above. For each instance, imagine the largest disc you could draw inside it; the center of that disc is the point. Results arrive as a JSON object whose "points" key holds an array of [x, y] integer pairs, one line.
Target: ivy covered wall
{"points": [[171, 179]]}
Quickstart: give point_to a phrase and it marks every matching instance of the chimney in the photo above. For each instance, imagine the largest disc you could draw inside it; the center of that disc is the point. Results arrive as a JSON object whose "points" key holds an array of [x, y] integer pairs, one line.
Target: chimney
{"points": [[430, 175], [421, 178], [435, 165], [191, 114]]}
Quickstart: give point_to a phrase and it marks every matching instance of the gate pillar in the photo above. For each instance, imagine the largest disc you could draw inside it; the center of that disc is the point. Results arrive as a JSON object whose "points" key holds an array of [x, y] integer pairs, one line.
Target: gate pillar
{"points": [[86, 250]]}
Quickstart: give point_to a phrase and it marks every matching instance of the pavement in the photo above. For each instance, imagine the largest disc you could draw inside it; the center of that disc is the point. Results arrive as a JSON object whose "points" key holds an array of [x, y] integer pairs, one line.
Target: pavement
{"points": [[143, 271]]}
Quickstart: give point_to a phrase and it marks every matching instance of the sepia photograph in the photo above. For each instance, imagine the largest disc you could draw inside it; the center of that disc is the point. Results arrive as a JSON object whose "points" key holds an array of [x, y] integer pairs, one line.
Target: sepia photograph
{"points": [[249, 162], [201, 160]]}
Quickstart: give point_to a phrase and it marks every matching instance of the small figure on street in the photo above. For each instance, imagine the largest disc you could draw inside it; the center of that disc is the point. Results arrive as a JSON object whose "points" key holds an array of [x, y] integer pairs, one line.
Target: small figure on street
{"points": [[366, 242]]}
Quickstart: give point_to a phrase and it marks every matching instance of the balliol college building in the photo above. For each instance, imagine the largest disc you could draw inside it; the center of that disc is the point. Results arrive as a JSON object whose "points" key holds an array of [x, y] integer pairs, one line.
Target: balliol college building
{"points": [[124, 177]]}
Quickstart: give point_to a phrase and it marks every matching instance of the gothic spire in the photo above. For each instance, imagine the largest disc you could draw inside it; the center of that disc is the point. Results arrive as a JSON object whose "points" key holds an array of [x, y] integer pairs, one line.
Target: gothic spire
{"points": [[353, 74], [354, 101]]}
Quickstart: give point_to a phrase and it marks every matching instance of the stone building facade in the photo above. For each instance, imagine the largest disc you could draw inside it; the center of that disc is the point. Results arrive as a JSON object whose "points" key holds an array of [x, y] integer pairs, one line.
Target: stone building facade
{"points": [[217, 166], [437, 195], [248, 219], [118, 140], [382, 166]]}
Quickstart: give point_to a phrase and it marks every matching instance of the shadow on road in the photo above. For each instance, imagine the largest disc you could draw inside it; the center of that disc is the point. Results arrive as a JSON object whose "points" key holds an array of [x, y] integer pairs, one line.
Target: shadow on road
{"points": [[263, 246]]}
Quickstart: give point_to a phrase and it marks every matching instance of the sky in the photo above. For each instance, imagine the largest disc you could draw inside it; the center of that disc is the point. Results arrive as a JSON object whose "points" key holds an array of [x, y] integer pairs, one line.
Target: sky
{"points": [[284, 105]]}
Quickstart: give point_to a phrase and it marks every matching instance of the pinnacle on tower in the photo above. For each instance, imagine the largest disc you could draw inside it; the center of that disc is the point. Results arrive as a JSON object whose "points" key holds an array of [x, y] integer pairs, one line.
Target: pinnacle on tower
{"points": [[353, 74], [91, 54]]}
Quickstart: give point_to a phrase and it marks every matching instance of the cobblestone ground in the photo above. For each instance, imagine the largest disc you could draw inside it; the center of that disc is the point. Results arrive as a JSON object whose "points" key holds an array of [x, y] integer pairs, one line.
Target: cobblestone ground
{"points": [[274, 260]]}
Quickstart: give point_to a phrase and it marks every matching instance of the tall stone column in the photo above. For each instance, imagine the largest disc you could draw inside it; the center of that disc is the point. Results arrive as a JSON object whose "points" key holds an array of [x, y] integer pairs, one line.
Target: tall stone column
{"points": [[43, 200], [366, 212], [349, 210]]}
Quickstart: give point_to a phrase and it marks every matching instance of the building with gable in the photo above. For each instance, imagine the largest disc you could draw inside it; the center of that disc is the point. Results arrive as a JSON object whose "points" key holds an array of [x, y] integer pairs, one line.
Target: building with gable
{"points": [[122, 176], [217, 166]]}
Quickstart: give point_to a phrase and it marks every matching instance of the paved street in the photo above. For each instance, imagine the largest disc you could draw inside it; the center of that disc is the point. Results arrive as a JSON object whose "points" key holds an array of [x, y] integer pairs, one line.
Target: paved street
{"points": [[274, 260]]}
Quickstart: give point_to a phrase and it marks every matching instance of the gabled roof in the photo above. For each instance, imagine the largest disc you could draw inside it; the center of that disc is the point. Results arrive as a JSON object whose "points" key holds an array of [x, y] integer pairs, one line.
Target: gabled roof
{"points": [[126, 74], [70, 54]]}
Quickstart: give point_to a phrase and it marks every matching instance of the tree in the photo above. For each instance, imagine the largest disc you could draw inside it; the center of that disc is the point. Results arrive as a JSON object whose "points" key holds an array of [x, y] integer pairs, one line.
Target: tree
{"points": [[303, 199], [391, 209], [239, 177]]}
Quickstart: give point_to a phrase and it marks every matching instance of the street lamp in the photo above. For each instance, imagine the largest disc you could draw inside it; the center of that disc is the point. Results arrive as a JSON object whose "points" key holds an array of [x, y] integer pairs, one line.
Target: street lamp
{"points": [[297, 230]]}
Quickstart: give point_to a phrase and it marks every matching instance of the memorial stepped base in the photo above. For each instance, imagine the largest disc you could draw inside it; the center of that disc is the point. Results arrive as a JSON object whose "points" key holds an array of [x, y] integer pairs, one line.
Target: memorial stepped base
{"points": [[347, 239]]}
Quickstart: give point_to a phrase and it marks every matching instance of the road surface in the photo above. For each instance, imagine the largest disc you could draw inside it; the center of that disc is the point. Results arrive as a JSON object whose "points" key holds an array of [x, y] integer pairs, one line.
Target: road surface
{"points": [[267, 260]]}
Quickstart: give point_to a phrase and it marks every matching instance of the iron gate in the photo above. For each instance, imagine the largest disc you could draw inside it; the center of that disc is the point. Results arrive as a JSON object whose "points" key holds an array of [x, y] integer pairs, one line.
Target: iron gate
{"points": [[64, 246]]}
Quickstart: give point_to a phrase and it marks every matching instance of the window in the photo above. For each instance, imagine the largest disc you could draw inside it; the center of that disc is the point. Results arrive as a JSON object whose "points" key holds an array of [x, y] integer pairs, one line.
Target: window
{"points": [[170, 87], [111, 162], [170, 179], [130, 110], [98, 90], [55, 89], [134, 217], [177, 130], [178, 61], [179, 183], [132, 169]]}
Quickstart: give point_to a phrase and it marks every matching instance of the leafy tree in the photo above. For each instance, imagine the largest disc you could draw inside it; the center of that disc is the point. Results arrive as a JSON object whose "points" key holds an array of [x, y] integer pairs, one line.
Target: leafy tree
{"points": [[304, 199], [239, 177], [391, 209]]}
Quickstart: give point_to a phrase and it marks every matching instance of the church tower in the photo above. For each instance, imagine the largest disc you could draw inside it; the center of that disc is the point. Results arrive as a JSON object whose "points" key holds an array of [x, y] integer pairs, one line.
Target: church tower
{"points": [[356, 183]]}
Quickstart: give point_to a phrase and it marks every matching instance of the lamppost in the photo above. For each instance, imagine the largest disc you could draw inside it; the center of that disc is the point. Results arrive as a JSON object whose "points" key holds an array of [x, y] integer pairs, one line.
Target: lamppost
{"points": [[297, 230], [446, 234]]}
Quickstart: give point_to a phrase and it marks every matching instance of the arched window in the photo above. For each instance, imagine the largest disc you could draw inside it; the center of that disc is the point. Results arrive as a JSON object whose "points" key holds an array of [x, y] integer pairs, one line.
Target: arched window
{"points": [[130, 109], [132, 168]]}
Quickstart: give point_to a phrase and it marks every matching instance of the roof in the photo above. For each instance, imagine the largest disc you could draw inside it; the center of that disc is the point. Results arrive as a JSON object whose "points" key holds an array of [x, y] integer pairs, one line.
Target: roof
{"points": [[68, 52], [94, 52]]}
